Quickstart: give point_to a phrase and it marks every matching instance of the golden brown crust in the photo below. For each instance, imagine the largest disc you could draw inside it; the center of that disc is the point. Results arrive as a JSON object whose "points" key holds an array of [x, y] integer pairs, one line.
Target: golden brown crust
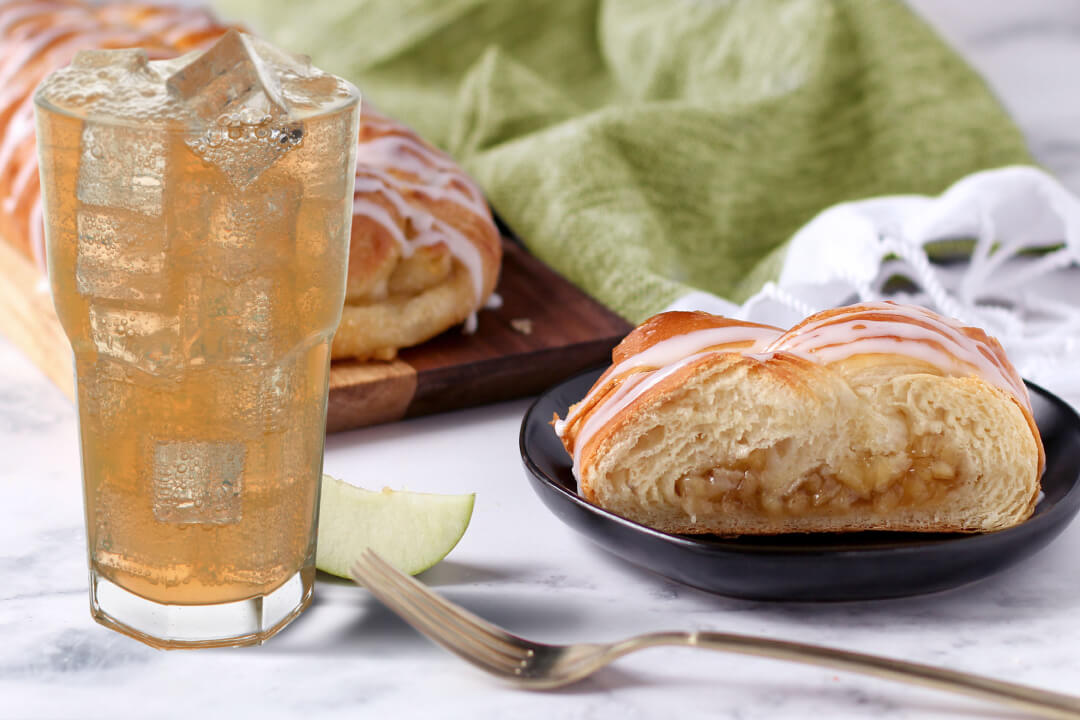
{"points": [[666, 325], [793, 372], [417, 219], [39, 36], [377, 330], [732, 442], [658, 328], [987, 345]]}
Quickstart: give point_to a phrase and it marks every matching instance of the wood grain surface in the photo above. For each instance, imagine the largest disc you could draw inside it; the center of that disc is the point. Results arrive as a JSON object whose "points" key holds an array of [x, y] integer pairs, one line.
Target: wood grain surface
{"points": [[545, 330]]}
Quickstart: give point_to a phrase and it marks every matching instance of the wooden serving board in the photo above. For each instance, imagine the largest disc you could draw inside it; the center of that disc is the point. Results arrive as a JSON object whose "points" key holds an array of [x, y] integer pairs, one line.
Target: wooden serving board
{"points": [[545, 330]]}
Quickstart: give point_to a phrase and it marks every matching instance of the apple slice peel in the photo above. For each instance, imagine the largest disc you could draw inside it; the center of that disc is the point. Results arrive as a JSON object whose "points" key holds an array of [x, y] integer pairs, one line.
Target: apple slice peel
{"points": [[410, 530]]}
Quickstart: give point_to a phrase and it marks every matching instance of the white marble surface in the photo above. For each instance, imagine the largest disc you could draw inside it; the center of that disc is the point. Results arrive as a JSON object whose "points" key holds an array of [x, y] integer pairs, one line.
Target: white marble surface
{"points": [[519, 566]]}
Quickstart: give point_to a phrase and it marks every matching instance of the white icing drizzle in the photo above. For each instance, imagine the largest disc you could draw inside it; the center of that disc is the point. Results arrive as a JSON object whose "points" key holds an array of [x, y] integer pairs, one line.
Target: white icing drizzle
{"points": [[382, 162], [909, 331], [26, 182], [430, 230], [943, 344], [39, 37], [13, 15], [647, 368], [462, 248], [20, 128], [672, 349], [19, 85], [631, 389], [16, 61], [437, 185], [405, 153], [375, 211]]}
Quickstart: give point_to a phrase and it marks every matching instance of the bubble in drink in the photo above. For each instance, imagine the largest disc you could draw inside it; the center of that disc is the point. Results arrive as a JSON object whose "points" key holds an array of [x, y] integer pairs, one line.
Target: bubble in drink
{"points": [[198, 482], [236, 93], [182, 198], [145, 340], [120, 257], [122, 168]]}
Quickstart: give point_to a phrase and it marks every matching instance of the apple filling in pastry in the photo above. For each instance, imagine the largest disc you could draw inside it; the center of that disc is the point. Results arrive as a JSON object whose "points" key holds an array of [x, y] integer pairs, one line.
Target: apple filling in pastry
{"points": [[743, 487], [872, 417]]}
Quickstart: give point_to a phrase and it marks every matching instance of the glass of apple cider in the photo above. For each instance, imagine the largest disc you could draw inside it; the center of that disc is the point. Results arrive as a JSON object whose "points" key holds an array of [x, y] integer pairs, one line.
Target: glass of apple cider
{"points": [[197, 214]]}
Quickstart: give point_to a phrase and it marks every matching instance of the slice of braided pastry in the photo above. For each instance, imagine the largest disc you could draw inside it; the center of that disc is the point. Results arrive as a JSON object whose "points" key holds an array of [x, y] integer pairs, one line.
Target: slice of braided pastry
{"points": [[870, 417], [424, 250]]}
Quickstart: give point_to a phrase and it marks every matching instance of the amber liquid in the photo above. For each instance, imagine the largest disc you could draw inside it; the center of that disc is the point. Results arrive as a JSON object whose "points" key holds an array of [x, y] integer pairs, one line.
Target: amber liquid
{"points": [[200, 310]]}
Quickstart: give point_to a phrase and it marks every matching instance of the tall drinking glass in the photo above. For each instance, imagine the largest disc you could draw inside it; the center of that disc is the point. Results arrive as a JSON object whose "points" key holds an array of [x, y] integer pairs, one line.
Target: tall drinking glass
{"points": [[197, 215]]}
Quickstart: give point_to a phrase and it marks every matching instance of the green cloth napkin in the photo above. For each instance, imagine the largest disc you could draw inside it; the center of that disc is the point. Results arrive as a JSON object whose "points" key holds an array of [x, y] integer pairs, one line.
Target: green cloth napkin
{"points": [[647, 148]]}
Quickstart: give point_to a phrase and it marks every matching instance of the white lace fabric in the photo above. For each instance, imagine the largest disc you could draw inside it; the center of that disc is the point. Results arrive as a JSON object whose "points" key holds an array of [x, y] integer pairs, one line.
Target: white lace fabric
{"points": [[1029, 300]]}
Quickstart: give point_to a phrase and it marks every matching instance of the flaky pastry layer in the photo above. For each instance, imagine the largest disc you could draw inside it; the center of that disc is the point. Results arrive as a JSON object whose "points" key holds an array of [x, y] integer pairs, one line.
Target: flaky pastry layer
{"points": [[872, 417]]}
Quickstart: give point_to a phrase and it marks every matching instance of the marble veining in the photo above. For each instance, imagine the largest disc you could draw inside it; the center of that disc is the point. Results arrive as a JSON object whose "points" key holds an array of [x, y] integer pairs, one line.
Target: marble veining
{"points": [[348, 657]]}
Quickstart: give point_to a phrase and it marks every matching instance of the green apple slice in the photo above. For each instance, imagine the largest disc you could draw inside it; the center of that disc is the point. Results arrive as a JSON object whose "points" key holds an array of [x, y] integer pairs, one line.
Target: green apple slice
{"points": [[411, 531]]}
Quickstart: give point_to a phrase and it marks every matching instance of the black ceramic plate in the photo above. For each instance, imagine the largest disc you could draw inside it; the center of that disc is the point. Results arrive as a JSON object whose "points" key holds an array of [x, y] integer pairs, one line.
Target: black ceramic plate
{"points": [[847, 566]]}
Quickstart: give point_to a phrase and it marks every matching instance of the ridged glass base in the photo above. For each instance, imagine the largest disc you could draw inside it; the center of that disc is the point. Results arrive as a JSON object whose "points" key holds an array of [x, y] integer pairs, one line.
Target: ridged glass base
{"points": [[244, 622]]}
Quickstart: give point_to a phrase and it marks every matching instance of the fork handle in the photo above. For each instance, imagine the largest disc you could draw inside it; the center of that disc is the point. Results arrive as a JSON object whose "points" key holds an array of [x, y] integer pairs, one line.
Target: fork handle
{"points": [[1042, 703]]}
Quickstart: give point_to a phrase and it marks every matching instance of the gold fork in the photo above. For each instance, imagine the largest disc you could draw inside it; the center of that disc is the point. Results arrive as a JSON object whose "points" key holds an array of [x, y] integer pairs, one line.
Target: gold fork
{"points": [[538, 666]]}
